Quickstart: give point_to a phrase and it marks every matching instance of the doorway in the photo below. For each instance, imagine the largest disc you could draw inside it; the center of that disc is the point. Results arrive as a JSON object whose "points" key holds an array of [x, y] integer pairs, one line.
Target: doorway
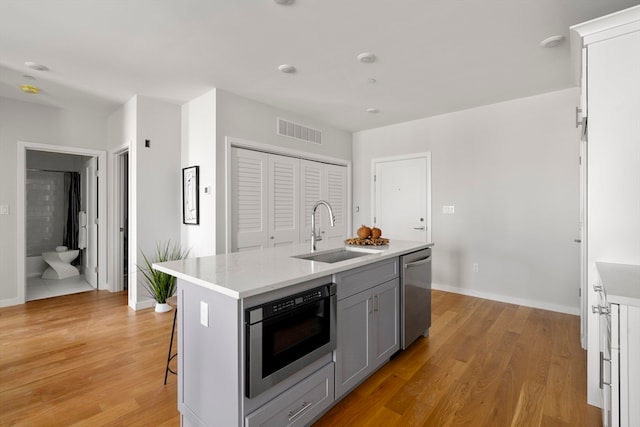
{"points": [[402, 196], [121, 160], [38, 163]]}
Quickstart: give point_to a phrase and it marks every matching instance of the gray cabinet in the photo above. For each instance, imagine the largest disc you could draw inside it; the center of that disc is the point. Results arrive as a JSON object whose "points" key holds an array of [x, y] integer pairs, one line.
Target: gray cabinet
{"points": [[368, 332]]}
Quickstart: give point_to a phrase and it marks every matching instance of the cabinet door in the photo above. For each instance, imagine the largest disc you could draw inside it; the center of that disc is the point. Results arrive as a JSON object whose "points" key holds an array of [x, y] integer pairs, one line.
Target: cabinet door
{"points": [[249, 203], [283, 193], [352, 352], [386, 298]]}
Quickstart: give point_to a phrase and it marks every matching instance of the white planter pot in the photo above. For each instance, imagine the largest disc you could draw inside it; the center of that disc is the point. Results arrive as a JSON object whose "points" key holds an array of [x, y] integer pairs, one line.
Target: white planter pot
{"points": [[162, 308]]}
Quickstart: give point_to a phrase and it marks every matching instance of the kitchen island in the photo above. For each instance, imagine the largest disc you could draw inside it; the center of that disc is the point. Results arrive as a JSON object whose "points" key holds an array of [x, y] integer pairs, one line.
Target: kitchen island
{"points": [[214, 297]]}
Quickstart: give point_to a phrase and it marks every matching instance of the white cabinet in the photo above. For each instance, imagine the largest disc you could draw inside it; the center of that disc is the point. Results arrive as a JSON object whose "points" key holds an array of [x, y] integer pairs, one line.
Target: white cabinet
{"points": [[264, 200], [619, 332], [272, 197], [606, 52], [322, 181], [368, 328]]}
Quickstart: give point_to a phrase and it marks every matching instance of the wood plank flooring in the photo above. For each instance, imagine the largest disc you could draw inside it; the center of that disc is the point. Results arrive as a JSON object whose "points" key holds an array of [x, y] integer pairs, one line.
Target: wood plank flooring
{"points": [[85, 359], [485, 363], [89, 360]]}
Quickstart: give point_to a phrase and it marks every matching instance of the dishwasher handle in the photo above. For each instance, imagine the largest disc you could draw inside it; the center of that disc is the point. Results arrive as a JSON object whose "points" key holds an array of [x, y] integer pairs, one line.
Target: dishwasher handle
{"points": [[419, 262]]}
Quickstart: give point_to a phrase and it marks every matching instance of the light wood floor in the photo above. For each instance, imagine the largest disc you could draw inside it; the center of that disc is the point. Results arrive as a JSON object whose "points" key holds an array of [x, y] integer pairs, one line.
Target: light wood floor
{"points": [[89, 360]]}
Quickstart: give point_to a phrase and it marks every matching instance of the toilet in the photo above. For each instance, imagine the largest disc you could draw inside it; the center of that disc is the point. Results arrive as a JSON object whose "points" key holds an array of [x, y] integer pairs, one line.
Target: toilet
{"points": [[60, 263]]}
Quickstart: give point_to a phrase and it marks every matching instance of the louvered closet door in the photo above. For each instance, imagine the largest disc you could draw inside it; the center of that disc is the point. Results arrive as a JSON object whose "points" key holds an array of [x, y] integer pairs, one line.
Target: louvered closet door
{"points": [[311, 191], [284, 201], [321, 181], [249, 202], [335, 191]]}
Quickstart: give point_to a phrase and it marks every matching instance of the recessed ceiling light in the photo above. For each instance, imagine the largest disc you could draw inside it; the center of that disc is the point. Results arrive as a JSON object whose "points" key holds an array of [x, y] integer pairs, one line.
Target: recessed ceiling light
{"points": [[371, 80], [29, 89], [285, 68], [366, 57], [283, 1], [36, 66], [372, 110], [552, 41]]}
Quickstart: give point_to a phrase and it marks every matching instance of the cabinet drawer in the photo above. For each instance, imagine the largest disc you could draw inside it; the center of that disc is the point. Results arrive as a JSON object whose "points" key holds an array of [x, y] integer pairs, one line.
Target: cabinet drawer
{"points": [[366, 277], [300, 404]]}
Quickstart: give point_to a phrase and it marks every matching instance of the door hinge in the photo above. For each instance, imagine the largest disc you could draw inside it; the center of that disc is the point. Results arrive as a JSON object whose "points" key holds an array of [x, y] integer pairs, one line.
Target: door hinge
{"points": [[579, 292], [95, 269], [578, 112], [580, 160]]}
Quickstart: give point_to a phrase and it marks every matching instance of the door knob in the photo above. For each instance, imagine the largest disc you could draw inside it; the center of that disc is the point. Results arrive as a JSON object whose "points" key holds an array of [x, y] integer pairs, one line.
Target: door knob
{"points": [[577, 240]]}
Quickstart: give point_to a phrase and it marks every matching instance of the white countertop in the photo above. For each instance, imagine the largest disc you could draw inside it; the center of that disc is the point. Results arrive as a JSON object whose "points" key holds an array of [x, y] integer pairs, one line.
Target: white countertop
{"points": [[245, 274], [621, 282]]}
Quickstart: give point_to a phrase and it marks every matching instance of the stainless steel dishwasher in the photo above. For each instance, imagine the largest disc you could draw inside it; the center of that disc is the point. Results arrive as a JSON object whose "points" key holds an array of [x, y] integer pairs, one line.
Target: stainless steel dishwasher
{"points": [[415, 298]]}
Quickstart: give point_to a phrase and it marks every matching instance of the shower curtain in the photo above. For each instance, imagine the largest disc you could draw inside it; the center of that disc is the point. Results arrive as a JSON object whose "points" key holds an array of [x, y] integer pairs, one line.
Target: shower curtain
{"points": [[72, 206]]}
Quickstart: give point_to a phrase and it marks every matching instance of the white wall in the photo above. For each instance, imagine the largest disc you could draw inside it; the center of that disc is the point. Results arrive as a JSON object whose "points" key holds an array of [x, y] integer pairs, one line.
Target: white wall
{"points": [[207, 123], [242, 118], [198, 149], [154, 180], [511, 171], [34, 123]]}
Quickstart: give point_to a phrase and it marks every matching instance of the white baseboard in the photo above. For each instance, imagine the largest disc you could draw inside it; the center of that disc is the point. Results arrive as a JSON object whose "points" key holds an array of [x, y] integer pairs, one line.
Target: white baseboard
{"points": [[147, 303], [9, 302], [510, 300]]}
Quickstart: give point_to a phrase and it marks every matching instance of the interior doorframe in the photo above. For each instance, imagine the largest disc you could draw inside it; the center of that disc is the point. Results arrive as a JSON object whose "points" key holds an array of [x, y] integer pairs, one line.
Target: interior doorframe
{"points": [[424, 155], [115, 157], [101, 156]]}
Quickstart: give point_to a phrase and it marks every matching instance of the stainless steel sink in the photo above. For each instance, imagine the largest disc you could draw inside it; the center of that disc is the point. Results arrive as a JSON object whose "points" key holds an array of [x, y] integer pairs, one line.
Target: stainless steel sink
{"points": [[335, 255]]}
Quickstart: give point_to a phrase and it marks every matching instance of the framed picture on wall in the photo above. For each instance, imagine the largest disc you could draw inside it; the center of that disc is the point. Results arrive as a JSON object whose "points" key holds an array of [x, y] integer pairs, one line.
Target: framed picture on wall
{"points": [[190, 196]]}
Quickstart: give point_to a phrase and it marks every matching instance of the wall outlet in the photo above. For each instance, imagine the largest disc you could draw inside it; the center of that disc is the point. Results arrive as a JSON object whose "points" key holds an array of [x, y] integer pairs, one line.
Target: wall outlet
{"points": [[204, 314], [475, 267], [4, 209]]}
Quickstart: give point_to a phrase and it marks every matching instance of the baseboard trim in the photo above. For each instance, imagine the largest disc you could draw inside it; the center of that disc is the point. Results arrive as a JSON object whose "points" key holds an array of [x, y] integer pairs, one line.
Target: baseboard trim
{"points": [[141, 305], [9, 302], [510, 300]]}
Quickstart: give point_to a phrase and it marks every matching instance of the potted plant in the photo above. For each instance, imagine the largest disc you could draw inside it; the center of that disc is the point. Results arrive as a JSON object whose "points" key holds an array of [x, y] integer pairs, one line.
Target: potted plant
{"points": [[159, 285]]}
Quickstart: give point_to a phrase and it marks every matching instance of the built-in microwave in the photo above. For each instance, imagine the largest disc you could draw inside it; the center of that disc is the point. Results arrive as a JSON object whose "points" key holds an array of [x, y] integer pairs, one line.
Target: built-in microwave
{"points": [[286, 335]]}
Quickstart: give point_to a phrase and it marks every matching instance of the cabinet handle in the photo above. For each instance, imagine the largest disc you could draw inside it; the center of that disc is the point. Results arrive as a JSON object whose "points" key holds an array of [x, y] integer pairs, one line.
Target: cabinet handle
{"points": [[597, 288], [418, 228], [305, 406], [602, 381], [375, 303], [371, 306]]}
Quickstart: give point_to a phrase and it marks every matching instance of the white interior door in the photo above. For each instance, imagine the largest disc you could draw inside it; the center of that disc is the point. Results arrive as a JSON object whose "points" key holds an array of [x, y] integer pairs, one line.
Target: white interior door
{"points": [[402, 198], [91, 272]]}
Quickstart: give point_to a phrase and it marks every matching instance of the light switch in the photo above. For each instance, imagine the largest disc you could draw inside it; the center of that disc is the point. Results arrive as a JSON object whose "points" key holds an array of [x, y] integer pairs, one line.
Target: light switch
{"points": [[448, 210], [4, 209], [204, 314]]}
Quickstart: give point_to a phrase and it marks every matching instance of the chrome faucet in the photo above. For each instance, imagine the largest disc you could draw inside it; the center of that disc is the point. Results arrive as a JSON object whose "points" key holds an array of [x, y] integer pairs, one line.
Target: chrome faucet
{"points": [[332, 218]]}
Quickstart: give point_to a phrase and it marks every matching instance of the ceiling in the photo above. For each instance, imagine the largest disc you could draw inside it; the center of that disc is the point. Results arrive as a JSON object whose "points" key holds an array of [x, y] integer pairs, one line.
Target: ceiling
{"points": [[433, 56]]}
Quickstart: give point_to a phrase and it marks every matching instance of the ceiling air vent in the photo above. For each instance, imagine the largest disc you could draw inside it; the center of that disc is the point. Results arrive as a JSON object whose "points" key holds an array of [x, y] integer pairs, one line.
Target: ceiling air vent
{"points": [[297, 131]]}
